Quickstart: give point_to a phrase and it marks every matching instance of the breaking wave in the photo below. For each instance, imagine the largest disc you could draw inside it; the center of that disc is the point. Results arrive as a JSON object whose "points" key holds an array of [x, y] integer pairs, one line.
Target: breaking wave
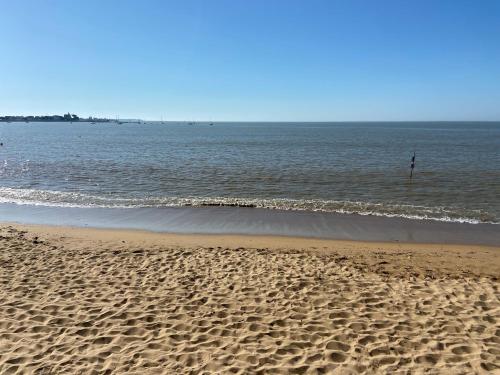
{"points": [[76, 199]]}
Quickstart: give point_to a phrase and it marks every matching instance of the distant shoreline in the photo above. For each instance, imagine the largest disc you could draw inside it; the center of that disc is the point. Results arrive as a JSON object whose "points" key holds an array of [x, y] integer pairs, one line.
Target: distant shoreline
{"points": [[44, 121], [68, 117], [91, 119]]}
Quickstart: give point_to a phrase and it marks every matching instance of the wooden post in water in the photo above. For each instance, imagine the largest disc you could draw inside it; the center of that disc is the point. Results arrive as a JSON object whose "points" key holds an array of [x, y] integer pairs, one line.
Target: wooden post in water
{"points": [[412, 165]]}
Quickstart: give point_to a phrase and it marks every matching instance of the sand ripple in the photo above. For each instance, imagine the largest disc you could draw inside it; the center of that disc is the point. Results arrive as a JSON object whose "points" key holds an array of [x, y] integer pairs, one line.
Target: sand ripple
{"points": [[106, 308]]}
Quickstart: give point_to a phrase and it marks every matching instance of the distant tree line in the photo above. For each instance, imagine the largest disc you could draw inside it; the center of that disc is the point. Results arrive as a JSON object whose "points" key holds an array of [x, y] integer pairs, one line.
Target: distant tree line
{"points": [[54, 118]]}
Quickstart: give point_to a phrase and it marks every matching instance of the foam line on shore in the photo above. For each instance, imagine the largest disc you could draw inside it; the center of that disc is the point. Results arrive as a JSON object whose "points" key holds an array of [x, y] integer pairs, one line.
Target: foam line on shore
{"points": [[81, 200]]}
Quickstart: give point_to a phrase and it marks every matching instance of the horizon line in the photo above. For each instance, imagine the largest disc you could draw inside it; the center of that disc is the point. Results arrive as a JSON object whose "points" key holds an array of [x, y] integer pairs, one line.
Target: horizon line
{"points": [[249, 121]]}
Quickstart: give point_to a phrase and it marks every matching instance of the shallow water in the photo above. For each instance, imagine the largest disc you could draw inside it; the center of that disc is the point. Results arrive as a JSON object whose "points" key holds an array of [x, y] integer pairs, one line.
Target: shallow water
{"points": [[256, 221], [338, 167]]}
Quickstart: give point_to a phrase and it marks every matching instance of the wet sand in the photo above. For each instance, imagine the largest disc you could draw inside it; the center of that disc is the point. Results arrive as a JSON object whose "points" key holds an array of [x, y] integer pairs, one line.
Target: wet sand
{"points": [[258, 221], [78, 301]]}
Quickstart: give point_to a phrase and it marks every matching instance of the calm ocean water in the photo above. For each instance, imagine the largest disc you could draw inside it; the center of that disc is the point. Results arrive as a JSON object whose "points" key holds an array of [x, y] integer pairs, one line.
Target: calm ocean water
{"points": [[339, 167]]}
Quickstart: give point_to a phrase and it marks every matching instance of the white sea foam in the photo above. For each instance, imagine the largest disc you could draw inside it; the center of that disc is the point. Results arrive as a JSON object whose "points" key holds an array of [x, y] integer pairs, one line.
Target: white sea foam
{"points": [[76, 199]]}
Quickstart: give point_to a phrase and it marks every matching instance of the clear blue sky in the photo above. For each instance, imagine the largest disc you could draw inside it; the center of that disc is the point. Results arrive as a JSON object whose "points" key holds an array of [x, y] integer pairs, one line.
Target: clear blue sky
{"points": [[252, 60]]}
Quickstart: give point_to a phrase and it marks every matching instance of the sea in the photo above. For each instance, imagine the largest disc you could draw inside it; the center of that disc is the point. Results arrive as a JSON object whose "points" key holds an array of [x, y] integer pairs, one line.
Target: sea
{"points": [[360, 168]]}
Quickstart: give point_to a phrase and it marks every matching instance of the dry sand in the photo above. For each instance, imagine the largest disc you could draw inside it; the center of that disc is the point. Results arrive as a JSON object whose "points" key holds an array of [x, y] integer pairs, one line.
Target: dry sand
{"points": [[81, 301]]}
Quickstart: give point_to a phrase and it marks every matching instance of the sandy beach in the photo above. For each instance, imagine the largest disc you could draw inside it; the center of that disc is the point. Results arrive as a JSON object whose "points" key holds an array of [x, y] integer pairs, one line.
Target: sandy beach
{"points": [[92, 301]]}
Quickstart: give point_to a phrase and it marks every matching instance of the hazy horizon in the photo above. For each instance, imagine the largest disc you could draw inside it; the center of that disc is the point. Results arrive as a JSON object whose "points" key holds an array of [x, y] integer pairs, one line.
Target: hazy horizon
{"points": [[151, 120]]}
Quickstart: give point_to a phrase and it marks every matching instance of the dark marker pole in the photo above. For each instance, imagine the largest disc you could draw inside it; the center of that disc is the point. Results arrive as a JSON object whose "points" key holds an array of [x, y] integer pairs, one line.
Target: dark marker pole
{"points": [[412, 165]]}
